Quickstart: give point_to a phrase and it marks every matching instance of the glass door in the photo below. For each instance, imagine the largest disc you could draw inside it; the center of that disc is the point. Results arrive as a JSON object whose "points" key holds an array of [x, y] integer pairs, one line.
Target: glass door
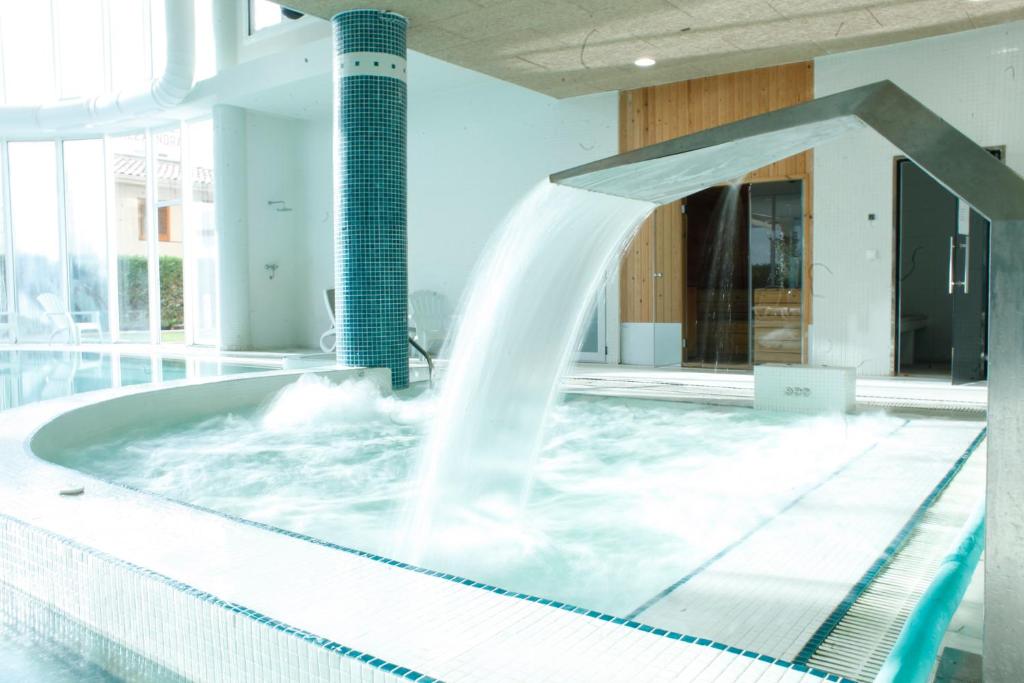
{"points": [[168, 238], [131, 236], [593, 348], [8, 319], [717, 310], [968, 285], [201, 238], [776, 272], [86, 224], [38, 278]]}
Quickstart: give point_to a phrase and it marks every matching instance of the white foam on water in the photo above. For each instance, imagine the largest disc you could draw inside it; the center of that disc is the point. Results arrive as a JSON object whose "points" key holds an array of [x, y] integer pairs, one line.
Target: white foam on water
{"points": [[524, 310], [628, 495]]}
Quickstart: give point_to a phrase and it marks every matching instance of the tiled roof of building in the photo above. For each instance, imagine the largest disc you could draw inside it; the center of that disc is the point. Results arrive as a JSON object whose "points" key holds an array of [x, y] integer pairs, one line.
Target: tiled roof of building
{"points": [[134, 166]]}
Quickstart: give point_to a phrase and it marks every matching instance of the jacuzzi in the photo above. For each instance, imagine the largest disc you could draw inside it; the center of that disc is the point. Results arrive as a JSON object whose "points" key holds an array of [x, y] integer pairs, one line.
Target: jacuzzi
{"points": [[208, 595]]}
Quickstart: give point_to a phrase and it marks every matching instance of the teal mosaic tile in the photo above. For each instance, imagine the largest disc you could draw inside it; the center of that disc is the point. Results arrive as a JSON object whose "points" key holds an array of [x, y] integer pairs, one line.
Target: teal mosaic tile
{"points": [[371, 259]]}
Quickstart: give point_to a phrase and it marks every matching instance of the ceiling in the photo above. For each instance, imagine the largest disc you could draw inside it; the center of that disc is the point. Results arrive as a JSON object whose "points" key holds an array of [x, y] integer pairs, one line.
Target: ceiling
{"points": [[574, 47]]}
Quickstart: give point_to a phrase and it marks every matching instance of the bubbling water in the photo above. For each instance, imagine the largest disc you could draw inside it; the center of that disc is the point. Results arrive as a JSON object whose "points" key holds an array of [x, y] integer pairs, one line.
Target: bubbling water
{"points": [[628, 495], [525, 307]]}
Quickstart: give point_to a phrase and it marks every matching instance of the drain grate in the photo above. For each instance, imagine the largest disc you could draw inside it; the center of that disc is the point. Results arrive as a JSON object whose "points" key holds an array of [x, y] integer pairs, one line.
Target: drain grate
{"points": [[861, 641]]}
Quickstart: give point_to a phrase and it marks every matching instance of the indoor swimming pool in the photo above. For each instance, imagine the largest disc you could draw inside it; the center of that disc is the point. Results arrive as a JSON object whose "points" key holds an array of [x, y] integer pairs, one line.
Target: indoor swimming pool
{"points": [[28, 376], [28, 656], [627, 495]]}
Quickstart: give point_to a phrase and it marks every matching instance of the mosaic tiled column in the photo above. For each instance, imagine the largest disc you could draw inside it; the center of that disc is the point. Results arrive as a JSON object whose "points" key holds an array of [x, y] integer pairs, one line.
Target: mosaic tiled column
{"points": [[370, 262]]}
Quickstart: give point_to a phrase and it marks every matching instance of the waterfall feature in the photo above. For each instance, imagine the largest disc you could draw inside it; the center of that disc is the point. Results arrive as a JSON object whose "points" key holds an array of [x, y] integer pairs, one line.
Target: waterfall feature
{"points": [[524, 308], [716, 329]]}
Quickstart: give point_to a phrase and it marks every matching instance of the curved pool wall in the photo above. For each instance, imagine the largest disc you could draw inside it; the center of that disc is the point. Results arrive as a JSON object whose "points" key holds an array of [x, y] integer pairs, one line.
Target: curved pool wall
{"points": [[208, 597]]}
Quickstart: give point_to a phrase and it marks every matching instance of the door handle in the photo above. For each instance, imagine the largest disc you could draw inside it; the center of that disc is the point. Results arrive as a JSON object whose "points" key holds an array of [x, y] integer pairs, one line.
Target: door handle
{"points": [[656, 274], [950, 264], [967, 263]]}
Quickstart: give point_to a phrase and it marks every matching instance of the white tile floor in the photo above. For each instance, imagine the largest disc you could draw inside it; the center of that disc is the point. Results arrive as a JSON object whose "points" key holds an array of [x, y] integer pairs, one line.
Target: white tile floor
{"points": [[737, 388], [772, 591]]}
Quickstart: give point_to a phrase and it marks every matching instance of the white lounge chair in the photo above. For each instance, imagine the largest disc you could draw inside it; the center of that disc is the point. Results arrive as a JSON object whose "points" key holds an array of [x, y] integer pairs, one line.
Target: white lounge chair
{"points": [[71, 324], [331, 333], [428, 316], [8, 326]]}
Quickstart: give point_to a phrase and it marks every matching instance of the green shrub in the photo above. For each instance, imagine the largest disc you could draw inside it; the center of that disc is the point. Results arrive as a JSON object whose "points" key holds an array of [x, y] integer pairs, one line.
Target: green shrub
{"points": [[132, 273], [172, 294]]}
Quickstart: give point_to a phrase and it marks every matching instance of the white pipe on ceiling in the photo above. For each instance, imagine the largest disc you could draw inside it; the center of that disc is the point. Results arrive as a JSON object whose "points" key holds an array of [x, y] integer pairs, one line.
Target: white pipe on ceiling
{"points": [[162, 93]]}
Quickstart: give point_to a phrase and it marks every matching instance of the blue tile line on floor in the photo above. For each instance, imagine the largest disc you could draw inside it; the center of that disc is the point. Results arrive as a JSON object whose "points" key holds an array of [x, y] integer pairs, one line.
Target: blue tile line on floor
{"points": [[890, 551], [555, 604], [203, 596], [661, 595]]}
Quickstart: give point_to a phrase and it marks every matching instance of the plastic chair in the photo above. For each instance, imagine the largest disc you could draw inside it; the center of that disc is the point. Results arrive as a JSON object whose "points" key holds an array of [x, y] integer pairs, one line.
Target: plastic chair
{"points": [[329, 304], [428, 316], [72, 324]]}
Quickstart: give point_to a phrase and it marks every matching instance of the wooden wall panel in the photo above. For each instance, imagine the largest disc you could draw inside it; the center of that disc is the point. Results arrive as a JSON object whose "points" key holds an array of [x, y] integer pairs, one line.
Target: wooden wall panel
{"points": [[668, 263], [663, 112], [635, 290]]}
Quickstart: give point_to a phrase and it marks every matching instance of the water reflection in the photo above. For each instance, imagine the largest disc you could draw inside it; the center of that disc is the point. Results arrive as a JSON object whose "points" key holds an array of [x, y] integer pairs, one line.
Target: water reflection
{"points": [[29, 376]]}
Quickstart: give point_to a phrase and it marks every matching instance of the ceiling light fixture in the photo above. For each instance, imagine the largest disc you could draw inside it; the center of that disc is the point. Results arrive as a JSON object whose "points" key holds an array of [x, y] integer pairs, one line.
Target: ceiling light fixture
{"points": [[645, 61]]}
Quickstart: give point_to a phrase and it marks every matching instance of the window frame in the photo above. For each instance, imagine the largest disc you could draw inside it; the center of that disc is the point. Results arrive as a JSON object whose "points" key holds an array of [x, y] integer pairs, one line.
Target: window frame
{"points": [[151, 213]]}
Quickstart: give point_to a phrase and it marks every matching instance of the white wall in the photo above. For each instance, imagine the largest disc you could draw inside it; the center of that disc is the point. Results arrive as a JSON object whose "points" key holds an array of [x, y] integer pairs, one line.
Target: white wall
{"points": [[974, 80], [318, 246], [476, 146], [275, 169], [474, 152]]}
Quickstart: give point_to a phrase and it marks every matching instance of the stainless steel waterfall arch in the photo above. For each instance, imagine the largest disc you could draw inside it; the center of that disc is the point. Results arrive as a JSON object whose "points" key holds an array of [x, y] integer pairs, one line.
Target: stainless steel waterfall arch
{"points": [[678, 167]]}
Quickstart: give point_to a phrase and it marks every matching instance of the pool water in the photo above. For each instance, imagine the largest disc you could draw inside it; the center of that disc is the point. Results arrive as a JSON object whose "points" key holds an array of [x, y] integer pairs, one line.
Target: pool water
{"points": [[28, 655], [628, 495], [55, 650], [27, 376], [25, 657]]}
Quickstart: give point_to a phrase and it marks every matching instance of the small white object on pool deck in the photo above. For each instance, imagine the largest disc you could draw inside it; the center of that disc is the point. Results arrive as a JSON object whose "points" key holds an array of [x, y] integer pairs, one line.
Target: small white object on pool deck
{"points": [[805, 389], [72, 491]]}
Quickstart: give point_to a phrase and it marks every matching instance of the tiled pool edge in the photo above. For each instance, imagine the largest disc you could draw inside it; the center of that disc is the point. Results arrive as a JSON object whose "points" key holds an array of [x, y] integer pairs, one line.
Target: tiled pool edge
{"points": [[396, 672], [197, 631], [76, 580], [894, 546]]}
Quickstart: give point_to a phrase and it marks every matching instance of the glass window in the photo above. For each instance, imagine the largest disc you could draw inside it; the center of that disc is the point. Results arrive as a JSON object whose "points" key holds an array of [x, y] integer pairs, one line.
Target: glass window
{"points": [[202, 235], [79, 26], [7, 321], [130, 175], [776, 271], [129, 43], [170, 248], [26, 37], [263, 14], [33, 168], [86, 220]]}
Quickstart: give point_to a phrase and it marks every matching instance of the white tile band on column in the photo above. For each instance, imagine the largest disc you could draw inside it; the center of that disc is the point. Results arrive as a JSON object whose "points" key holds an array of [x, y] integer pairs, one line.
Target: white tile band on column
{"points": [[371, 64]]}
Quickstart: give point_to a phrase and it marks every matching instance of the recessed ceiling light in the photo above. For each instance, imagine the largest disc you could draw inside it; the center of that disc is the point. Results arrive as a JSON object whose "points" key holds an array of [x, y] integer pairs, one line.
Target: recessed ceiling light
{"points": [[645, 61]]}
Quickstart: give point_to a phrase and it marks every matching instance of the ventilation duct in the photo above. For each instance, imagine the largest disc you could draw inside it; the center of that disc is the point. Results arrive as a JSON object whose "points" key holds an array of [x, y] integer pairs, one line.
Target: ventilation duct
{"points": [[163, 93]]}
